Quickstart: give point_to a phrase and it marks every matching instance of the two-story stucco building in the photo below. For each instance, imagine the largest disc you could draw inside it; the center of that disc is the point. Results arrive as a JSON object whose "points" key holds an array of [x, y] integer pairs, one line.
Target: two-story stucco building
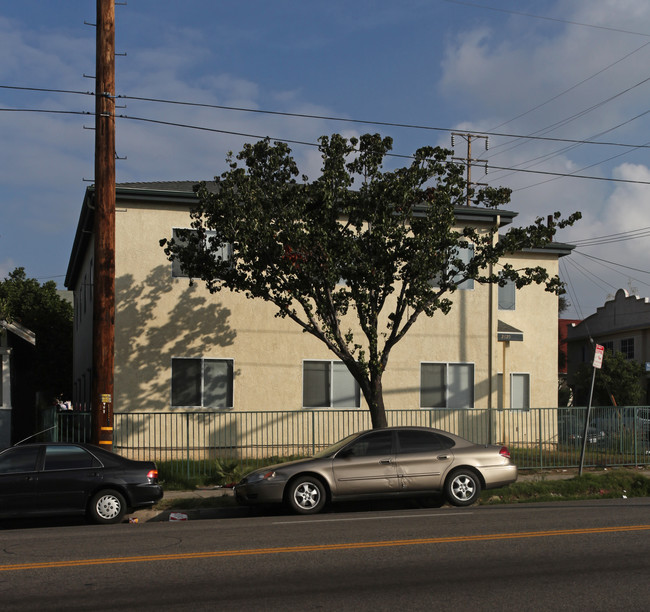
{"points": [[179, 348]]}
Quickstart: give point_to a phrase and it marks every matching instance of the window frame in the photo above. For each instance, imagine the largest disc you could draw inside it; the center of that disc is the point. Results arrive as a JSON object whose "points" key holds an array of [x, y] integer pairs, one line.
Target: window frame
{"points": [[224, 254], [230, 391], [447, 365], [507, 301], [627, 347], [331, 390], [511, 380]]}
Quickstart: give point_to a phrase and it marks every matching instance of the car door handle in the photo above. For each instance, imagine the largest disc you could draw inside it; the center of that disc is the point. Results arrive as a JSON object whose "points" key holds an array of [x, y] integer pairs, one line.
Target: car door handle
{"points": [[385, 461], [443, 457]]}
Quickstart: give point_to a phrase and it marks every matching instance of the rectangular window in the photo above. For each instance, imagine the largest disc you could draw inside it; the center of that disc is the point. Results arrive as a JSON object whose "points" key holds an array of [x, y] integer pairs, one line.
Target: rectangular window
{"points": [[202, 383], [608, 346], [223, 253], [507, 296], [329, 384], [519, 391], [446, 385], [465, 254], [627, 347]]}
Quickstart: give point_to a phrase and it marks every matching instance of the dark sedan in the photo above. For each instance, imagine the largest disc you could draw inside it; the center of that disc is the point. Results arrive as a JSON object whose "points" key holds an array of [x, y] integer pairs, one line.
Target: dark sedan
{"points": [[48, 479], [396, 461]]}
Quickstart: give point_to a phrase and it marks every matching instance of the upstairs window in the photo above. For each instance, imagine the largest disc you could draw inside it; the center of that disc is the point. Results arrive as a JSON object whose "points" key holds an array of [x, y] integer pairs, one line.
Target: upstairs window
{"points": [[465, 254], [507, 296], [223, 253], [627, 347]]}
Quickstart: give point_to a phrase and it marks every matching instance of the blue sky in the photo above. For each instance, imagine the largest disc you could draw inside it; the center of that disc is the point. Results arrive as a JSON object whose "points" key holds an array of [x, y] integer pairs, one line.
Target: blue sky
{"points": [[571, 70]]}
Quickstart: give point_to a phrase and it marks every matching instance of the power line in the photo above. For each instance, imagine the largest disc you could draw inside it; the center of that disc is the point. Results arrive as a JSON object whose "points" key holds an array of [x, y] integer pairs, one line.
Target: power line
{"points": [[566, 91], [603, 263], [350, 120], [314, 144], [613, 263], [618, 237], [555, 19]]}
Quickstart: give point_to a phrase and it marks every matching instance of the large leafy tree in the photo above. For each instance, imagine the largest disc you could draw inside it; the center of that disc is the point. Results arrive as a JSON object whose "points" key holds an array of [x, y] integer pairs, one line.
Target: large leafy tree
{"points": [[41, 309], [356, 256]]}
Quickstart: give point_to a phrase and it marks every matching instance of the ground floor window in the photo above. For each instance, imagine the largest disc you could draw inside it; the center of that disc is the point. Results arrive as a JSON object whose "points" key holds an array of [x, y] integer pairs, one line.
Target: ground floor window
{"points": [[447, 385], [329, 384], [519, 391], [202, 383]]}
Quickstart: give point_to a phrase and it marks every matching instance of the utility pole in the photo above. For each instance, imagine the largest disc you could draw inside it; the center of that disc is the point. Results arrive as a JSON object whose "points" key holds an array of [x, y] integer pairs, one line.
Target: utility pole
{"points": [[104, 228], [468, 161]]}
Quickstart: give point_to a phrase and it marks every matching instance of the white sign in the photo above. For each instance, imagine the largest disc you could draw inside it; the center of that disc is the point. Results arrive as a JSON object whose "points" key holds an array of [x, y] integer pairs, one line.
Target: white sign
{"points": [[598, 356]]}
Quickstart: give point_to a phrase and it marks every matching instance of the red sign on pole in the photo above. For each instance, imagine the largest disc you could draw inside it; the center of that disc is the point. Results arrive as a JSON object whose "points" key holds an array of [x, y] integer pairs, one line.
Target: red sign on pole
{"points": [[598, 356]]}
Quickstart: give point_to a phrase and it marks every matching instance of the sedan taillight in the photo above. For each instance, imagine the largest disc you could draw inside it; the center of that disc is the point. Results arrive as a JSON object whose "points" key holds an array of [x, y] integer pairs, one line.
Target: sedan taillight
{"points": [[152, 474], [504, 452]]}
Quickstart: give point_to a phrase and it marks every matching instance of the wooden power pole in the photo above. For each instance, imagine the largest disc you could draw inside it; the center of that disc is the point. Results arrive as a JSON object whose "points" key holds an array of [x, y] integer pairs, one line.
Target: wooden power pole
{"points": [[104, 228], [469, 160]]}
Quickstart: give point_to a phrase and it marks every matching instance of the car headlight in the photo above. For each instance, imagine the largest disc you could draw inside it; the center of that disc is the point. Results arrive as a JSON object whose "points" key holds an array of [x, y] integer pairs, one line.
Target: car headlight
{"points": [[258, 476]]}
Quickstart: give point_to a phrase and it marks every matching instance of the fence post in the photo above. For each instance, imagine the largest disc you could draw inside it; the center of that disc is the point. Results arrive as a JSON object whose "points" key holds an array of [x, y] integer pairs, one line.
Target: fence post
{"points": [[541, 441], [636, 435], [187, 442]]}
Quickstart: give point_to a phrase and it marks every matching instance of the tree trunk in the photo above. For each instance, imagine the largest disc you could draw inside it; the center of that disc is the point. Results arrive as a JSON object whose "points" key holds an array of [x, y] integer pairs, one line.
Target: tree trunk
{"points": [[375, 399]]}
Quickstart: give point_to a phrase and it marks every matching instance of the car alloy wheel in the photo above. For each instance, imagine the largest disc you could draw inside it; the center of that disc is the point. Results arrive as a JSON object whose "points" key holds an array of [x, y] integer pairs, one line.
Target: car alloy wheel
{"points": [[307, 495], [462, 488]]}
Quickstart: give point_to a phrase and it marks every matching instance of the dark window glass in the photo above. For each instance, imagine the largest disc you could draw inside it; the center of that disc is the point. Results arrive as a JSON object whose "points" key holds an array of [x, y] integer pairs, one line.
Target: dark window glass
{"points": [[422, 442], [627, 348], [68, 458], [19, 459], [205, 383], [375, 443], [186, 382]]}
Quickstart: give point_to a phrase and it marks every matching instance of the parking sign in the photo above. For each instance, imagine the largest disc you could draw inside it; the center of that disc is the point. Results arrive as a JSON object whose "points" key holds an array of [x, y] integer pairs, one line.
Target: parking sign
{"points": [[598, 356]]}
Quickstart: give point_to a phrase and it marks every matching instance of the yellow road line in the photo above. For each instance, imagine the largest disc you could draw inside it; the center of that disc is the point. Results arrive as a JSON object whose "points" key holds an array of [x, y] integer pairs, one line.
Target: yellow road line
{"points": [[320, 547]]}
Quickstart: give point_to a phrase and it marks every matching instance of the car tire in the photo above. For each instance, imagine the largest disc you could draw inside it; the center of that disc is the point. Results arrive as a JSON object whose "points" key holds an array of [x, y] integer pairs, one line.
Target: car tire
{"points": [[462, 487], [306, 495], [107, 507]]}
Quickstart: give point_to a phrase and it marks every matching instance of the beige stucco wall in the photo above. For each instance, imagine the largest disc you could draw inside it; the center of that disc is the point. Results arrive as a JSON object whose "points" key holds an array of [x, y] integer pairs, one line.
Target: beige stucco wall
{"points": [[83, 329], [159, 317]]}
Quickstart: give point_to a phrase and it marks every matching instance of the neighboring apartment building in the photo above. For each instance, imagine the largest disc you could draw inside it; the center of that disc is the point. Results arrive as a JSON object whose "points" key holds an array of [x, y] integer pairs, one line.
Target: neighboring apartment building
{"points": [[622, 324], [179, 348], [17, 413]]}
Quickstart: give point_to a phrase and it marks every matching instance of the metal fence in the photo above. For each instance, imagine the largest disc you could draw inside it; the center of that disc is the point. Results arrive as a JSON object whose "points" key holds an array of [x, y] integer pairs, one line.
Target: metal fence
{"points": [[198, 443]]}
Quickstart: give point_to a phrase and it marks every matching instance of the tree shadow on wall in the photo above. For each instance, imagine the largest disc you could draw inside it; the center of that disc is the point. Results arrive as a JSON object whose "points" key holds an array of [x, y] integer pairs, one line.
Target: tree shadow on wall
{"points": [[149, 335]]}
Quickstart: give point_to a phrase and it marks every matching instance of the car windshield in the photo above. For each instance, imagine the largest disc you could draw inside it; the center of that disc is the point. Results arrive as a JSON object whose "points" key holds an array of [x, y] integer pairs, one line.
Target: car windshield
{"points": [[330, 450]]}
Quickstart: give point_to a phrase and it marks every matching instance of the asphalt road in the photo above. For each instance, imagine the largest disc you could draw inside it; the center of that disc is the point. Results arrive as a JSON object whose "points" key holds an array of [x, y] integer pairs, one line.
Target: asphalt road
{"points": [[563, 556]]}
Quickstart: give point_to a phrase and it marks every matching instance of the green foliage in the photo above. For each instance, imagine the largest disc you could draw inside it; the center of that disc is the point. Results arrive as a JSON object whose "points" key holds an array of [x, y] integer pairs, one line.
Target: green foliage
{"points": [[588, 486], [180, 476], [619, 377], [357, 248], [41, 309]]}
